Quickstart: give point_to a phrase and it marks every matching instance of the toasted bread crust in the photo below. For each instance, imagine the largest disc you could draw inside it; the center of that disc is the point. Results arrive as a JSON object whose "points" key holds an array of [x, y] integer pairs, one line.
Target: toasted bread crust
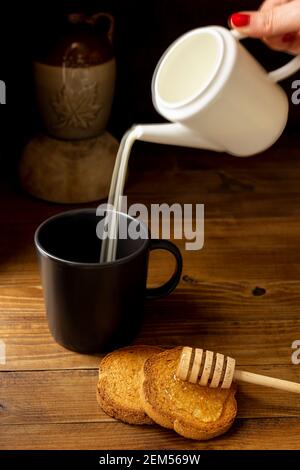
{"points": [[120, 377], [166, 409]]}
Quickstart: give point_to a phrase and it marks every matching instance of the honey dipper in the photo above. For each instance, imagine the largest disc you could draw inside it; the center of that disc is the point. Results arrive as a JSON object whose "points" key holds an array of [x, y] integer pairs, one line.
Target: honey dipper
{"points": [[216, 370]]}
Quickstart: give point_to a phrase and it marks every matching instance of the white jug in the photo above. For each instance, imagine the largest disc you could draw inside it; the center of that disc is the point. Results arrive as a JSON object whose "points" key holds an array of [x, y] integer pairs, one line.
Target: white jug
{"points": [[217, 96]]}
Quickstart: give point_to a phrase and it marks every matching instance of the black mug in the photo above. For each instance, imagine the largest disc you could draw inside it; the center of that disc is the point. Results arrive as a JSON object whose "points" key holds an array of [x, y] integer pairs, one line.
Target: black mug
{"points": [[93, 307]]}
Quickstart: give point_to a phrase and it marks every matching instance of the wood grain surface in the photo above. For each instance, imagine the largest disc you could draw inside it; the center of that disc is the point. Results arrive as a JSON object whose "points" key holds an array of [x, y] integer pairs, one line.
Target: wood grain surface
{"points": [[240, 295]]}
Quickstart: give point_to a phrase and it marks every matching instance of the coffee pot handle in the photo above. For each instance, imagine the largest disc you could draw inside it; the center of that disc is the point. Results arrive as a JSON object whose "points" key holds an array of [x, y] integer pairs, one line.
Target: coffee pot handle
{"points": [[283, 72]]}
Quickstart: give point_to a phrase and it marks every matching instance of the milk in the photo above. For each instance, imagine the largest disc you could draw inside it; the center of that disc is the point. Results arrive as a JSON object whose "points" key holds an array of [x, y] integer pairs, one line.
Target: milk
{"points": [[109, 244]]}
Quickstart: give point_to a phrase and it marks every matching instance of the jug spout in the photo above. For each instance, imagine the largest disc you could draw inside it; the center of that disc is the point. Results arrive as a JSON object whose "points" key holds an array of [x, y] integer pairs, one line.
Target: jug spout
{"points": [[174, 134]]}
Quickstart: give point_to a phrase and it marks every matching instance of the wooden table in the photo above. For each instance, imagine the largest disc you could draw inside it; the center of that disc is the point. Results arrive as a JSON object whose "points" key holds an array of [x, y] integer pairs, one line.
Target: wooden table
{"points": [[240, 295]]}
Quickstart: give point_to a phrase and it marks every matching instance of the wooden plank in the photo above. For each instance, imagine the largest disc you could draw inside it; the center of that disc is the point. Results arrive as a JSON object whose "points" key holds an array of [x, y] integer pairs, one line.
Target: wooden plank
{"points": [[49, 397], [241, 204], [242, 250], [30, 346], [210, 300], [230, 301], [262, 434], [257, 187], [70, 397], [250, 342], [255, 330]]}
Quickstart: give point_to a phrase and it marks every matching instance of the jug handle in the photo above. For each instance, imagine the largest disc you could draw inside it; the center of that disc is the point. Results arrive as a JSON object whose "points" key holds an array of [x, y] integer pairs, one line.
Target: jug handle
{"points": [[111, 20], [279, 74]]}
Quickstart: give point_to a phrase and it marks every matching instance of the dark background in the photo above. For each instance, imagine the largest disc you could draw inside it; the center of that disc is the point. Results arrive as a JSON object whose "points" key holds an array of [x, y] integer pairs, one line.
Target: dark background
{"points": [[143, 31]]}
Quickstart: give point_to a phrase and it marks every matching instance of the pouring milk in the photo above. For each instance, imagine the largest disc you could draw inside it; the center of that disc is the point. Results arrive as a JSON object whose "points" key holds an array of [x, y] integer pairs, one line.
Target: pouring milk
{"points": [[216, 96]]}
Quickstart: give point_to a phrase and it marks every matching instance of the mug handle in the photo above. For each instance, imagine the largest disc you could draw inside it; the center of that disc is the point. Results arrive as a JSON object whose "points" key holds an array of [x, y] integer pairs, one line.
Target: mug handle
{"points": [[171, 284], [279, 74]]}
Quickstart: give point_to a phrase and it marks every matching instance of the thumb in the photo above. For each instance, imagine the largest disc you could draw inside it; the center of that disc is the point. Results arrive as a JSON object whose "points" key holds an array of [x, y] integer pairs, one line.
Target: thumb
{"points": [[265, 23]]}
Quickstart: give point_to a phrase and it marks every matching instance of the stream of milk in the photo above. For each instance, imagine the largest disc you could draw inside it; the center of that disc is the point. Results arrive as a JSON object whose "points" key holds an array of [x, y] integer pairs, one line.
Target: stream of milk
{"points": [[109, 244]]}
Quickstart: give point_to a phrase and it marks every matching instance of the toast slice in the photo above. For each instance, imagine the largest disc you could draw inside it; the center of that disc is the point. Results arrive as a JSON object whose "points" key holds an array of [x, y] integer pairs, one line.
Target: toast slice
{"points": [[120, 378], [193, 411]]}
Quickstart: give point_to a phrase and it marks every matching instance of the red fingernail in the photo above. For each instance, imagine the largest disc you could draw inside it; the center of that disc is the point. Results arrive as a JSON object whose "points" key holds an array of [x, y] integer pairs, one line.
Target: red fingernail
{"points": [[239, 20], [288, 37]]}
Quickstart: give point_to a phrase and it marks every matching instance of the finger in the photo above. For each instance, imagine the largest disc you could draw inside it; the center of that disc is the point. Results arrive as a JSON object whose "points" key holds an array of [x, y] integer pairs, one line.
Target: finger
{"points": [[269, 4], [281, 42], [279, 20], [277, 43]]}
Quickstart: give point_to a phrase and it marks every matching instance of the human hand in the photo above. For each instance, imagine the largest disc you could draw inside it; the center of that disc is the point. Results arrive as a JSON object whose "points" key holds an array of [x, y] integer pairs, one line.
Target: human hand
{"points": [[277, 23]]}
